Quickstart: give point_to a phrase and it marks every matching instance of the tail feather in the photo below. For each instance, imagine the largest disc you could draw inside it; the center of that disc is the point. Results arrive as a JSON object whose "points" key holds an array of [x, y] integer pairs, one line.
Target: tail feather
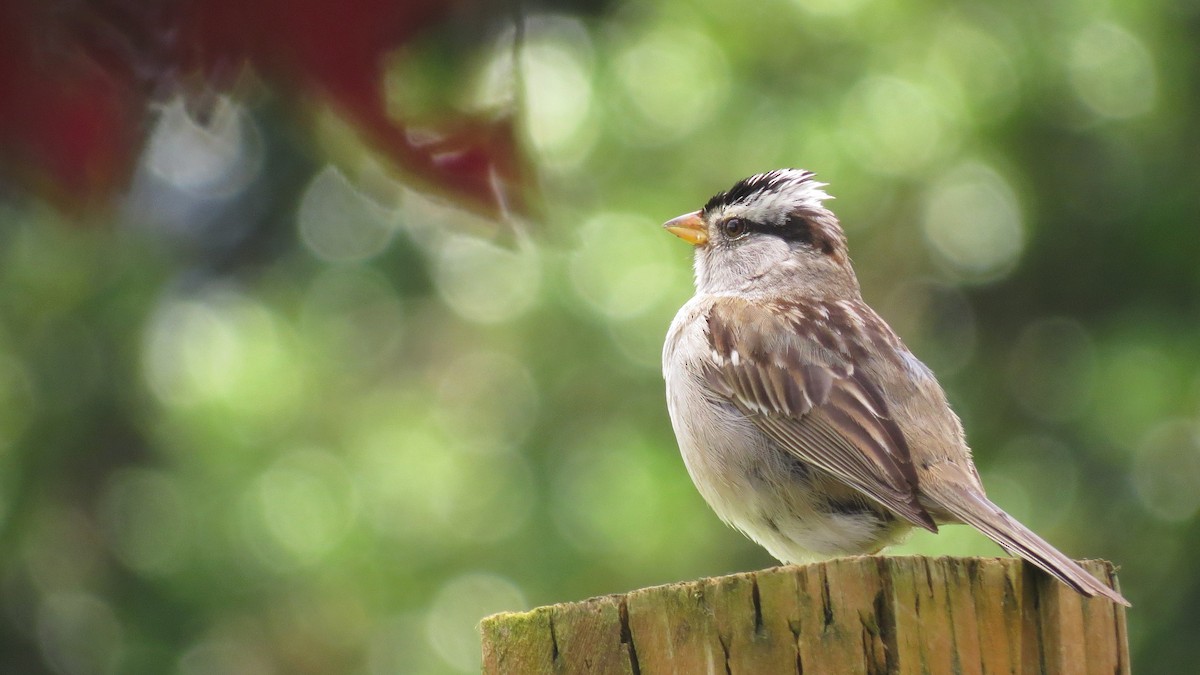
{"points": [[973, 508]]}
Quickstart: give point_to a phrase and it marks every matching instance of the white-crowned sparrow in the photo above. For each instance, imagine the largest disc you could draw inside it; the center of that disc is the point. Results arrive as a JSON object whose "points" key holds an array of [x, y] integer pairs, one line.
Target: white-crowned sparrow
{"points": [[803, 419]]}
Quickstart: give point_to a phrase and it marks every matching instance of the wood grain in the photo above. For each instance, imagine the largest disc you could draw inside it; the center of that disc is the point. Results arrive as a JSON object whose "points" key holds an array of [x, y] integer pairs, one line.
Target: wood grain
{"points": [[870, 615]]}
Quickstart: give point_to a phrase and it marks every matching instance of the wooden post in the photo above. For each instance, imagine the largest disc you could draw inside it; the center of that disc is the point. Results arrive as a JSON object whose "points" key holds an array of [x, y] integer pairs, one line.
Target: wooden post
{"points": [[850, 615]]}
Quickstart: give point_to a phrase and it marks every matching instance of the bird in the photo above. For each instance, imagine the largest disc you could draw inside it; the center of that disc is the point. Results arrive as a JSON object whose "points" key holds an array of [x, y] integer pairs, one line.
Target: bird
{"points": [[802, 418]]}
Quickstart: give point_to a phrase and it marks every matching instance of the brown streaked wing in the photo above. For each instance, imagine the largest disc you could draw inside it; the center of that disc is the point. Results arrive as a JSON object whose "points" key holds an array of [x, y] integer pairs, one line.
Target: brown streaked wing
{"points": [[826, 414]]}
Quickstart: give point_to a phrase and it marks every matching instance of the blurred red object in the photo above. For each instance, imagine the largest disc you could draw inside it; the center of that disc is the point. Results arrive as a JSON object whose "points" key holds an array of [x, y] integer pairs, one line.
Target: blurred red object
{"points": [[77, 78]]}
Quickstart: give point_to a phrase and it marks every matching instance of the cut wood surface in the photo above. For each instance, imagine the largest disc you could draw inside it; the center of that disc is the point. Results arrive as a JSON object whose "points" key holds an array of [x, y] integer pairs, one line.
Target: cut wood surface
{"points": [[872, 614]]}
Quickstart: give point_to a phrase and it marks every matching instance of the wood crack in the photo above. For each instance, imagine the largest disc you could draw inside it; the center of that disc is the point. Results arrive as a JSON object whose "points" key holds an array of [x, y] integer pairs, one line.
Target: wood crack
{"points": [[627, 637], [756, 601], [826, 602], [955, 655], [725, 651], [885, 615], [553, 639], [794, 627]]}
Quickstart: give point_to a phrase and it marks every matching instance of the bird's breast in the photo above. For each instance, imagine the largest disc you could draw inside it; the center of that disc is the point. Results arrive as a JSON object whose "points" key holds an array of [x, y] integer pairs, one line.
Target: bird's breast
{"points": [[715, 438]]}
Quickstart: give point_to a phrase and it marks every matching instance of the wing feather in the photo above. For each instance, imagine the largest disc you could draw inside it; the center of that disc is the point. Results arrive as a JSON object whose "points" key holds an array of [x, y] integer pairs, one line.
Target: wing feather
{"points": [[824, 413]]}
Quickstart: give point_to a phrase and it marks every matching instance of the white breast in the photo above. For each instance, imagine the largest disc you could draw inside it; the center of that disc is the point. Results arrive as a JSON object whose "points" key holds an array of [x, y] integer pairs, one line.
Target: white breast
{"points": [[714, 438]]}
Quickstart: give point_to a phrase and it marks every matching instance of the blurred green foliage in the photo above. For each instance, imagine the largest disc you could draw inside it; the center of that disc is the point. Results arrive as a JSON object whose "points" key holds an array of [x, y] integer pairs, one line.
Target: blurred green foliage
{"points": [[275, 416]]}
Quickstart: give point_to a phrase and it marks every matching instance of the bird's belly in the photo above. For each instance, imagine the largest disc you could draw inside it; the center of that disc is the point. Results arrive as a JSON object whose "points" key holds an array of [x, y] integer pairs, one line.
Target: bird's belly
{"points": [[795, 511]]}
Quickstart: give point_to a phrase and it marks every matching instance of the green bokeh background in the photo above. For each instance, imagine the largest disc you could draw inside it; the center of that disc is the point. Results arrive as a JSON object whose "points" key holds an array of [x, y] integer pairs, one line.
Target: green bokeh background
{"points": [[281, 414]]}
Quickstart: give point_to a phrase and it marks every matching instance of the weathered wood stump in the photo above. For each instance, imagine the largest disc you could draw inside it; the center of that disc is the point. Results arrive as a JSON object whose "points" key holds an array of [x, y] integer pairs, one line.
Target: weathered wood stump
{"points": [[850, 615]]}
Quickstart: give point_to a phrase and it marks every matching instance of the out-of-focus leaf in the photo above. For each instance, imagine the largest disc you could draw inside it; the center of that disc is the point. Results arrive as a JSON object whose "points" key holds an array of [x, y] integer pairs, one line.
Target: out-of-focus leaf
{"points": [[77, 80]]}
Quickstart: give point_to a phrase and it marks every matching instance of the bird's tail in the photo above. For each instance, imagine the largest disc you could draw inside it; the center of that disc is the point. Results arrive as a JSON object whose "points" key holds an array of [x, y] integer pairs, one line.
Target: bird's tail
{"points": [[973, 508]]}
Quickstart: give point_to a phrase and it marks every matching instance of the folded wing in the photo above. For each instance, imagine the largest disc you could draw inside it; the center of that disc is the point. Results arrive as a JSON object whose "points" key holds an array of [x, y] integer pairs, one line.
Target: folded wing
{"points": [[813, 405]]}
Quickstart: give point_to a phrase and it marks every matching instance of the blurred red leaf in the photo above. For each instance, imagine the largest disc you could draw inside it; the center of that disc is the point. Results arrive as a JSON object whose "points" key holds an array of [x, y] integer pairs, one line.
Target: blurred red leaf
{"points": [[77, 79], [67, 127]]}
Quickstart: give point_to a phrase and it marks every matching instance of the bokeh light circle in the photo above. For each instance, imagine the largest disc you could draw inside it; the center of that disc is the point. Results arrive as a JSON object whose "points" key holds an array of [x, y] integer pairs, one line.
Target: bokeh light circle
{"points": [[339, 223], [484, 282], [893, 126], [623, 266], [452, 625], [556, 73], [972, 221], [674, 79], [1166, 471], [1112, 72]]}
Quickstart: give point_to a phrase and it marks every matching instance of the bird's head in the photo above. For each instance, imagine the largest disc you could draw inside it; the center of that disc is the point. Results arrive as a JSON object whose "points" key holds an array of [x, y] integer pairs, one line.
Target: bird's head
{"points": [[769, 234]]}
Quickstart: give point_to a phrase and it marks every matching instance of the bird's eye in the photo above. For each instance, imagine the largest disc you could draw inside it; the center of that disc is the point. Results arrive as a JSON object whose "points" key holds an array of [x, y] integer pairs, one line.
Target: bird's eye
{"points": [[735, 228]]}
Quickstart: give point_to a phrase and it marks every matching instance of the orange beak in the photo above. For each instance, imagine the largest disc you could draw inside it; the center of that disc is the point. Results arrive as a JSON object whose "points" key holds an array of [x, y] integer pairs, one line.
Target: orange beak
{"points": [[688, 227]]}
